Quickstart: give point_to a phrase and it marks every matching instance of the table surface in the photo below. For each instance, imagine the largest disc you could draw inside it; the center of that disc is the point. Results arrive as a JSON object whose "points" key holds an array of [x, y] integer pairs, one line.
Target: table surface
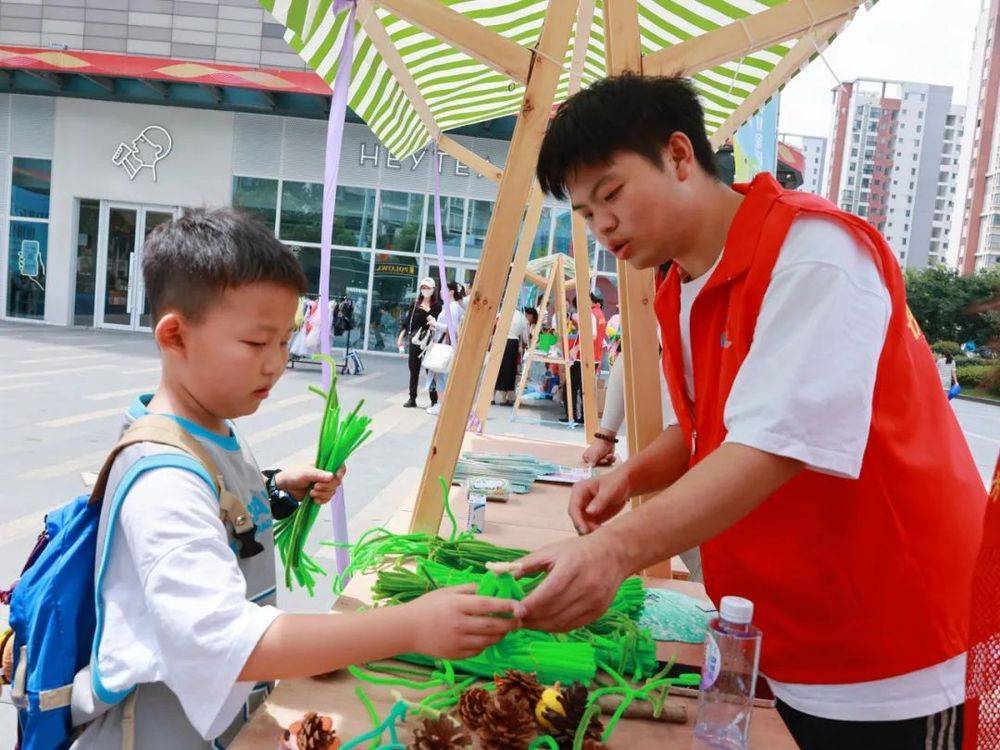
{"points": [[525, 521]]}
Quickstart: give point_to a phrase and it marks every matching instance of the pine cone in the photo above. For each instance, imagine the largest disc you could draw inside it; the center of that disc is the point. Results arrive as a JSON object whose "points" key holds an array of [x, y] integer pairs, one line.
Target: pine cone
{"points": [[521, 684], [574, 703], [593, 745], [440, 734], [316, 733], [472, 707], [508, 724]]}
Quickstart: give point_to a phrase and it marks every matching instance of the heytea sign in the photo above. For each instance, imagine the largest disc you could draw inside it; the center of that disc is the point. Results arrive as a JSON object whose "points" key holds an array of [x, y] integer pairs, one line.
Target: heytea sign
{"points": [[370, 154]]}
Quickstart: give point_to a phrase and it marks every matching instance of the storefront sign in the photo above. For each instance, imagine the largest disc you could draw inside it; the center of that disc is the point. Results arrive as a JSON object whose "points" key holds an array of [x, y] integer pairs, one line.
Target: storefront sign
{"points": [[152, 145], [396, 269], [371, 154]]}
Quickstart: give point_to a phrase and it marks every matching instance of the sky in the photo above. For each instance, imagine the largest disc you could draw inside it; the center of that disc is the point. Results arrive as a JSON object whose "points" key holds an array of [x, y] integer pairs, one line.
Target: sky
{"points": [[925, 41]]}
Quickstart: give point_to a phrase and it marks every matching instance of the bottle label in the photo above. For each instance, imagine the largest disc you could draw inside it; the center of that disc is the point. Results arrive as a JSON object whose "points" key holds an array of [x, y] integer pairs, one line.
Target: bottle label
{"points": [[713, 662]]}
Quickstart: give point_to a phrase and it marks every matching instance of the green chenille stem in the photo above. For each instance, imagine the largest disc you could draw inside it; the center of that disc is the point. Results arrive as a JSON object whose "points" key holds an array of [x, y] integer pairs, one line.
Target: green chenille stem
{"points": [[338, 439], [545, 740]]}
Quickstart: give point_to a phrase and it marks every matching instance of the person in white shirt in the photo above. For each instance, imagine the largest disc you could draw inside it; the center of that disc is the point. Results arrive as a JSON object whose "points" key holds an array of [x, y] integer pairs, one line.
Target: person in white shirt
{"points": [[814, 459], [947, 372], [188, 636], [518, 338], [438, 381]]}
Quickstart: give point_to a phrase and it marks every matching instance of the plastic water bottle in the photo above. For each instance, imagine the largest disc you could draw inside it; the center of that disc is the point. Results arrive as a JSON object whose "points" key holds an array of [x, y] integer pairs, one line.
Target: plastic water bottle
{"points": [[725, 699]]}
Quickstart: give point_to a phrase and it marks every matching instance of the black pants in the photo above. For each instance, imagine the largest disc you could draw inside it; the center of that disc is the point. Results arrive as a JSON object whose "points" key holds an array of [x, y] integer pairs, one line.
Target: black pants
{"points": [[507, 376], [416, 355], [576, 388], [943, 730]]}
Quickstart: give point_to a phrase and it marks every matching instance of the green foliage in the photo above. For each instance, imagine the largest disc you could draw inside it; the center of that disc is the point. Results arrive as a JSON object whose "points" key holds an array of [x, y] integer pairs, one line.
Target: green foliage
{"points": [[971, 376], [948, 306]]}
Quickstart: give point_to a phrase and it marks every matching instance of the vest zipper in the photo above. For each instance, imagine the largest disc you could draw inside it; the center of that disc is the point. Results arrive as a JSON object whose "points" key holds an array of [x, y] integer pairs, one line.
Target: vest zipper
{"points": [[694, 442]]}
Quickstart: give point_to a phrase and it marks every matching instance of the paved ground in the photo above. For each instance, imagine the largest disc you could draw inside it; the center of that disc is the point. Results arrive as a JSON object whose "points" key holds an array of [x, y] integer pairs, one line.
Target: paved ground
{"points": [[62, 393]]}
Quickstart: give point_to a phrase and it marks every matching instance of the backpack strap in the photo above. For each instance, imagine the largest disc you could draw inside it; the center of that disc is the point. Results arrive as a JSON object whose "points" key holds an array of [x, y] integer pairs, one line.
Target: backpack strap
{"points": [[163, 430]]}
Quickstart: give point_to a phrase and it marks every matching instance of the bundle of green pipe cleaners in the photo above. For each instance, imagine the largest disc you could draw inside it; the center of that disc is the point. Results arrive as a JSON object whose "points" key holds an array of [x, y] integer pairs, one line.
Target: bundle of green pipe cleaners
{"points": [[339, 437]]}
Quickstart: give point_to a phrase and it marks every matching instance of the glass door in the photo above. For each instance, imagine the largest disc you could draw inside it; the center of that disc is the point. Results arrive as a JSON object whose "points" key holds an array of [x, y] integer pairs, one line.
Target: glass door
{"points": [[120, 268], [121, 295]]}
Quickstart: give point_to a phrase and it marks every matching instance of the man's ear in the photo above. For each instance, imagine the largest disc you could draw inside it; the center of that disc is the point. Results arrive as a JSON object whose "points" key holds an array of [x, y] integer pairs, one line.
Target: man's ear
{"points": [[678, 154], [170, 333]]}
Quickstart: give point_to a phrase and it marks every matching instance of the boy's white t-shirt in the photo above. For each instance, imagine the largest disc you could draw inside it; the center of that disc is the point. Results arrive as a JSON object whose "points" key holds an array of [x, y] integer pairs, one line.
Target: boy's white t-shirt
{"points": [[805, 391], [175, 600]]}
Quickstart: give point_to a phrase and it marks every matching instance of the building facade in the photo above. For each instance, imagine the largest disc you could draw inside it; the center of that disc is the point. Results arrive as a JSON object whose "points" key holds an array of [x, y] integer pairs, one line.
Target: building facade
{"points": [[976, 224], [84, 181], [895, 156], [813, 150]]}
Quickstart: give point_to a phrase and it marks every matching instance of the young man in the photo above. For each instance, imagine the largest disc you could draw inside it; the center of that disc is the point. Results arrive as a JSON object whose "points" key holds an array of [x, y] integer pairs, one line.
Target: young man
{"points": [[187, 637], [815, 459]]}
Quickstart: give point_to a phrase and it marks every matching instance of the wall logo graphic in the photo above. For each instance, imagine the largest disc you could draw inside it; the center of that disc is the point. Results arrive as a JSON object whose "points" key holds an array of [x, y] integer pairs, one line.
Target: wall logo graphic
{"points": [[30, 262], [149, 147]]}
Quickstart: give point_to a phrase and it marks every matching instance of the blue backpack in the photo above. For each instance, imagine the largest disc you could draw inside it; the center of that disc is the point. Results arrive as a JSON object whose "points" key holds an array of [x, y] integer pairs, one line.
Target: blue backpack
{"points": [[53, 605]]}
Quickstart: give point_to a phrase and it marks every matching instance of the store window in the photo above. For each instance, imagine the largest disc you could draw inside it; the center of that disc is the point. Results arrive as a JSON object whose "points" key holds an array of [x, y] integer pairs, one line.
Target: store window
{"points": [[353, 217], [394, 287], [562, 234], [452, 218], [348, 280], [29, 188], [257, 197], [540, 247], [301, 211], [475, 233], [28, 237], [88, 220], [27, 257], [399, 221]]}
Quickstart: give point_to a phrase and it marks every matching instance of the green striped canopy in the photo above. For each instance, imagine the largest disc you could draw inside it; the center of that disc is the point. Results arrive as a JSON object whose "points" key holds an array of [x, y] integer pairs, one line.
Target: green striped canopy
{"points": [[462, 91]]}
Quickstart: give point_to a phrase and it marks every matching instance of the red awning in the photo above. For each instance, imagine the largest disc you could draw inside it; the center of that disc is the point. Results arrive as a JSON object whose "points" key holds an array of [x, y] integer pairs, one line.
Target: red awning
{"points": [[791, 157], [161, 69]]}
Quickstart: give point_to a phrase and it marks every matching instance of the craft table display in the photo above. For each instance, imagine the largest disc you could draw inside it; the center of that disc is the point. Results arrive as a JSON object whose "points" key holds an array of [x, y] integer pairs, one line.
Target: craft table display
{"points": [[526, 521]]}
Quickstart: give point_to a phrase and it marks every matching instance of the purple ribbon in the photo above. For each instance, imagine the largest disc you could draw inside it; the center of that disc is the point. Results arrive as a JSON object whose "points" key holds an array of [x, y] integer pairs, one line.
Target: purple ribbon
{"points": [[439, 243], [331, 173], [334, 142]]}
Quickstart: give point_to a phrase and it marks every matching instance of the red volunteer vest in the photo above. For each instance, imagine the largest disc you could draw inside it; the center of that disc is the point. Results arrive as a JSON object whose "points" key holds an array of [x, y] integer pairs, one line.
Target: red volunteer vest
{"points": [[853, 580]]}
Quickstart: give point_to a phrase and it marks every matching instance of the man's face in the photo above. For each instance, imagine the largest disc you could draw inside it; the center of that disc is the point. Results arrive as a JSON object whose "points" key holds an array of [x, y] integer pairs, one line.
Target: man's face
{"points": [[637, 210], [235, 354]]}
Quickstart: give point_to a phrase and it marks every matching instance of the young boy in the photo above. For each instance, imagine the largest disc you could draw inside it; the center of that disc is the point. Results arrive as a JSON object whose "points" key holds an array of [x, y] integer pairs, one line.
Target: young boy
{"points": [[187, 631], [815, 459]]}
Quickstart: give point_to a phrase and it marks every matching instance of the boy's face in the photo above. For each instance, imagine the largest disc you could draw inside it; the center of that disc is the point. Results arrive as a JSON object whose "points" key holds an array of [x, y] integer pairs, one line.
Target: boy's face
{"points": [[234, 355], [640, 212]]}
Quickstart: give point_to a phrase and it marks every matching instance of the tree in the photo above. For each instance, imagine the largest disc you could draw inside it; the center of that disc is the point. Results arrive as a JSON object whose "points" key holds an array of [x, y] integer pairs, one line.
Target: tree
{"points": [[950, 307]]}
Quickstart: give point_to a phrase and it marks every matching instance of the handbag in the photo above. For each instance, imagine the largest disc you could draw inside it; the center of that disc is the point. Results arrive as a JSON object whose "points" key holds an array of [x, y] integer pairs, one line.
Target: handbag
{"points": [[954, 391], [438, 357]]}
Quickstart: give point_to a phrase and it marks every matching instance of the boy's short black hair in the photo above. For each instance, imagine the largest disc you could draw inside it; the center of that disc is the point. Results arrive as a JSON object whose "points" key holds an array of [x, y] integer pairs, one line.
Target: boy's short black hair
{"points": [[621, 113], [187, 263]]}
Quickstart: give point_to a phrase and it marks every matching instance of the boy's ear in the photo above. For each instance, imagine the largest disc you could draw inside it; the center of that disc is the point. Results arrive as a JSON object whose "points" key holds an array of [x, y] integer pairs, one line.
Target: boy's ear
{"points": [[679, 154], [170, 332]]}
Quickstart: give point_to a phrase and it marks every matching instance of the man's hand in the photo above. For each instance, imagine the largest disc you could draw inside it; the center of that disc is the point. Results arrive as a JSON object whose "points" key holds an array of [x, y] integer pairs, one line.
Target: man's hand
{"points": [[297, 480], [599, 453], [455, 623], [583, 576], [598, 499]]}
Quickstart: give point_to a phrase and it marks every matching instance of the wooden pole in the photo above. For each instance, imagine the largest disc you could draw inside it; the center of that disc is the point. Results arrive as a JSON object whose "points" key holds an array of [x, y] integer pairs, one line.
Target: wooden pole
{"points": [[461, 32], [588, 367], [789, 20], [797, 56], [535, 332], [449, 431], [643, 413], [563, 316], [509, 305]]}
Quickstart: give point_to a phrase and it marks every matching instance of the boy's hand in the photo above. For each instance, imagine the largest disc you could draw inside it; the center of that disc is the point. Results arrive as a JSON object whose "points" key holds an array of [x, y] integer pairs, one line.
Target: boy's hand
{"points": [[455, 623], [296, 481]]}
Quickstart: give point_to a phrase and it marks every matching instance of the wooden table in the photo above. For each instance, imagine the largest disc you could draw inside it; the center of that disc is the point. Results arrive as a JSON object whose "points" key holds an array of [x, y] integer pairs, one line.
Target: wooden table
{"points": [[525, 521]]}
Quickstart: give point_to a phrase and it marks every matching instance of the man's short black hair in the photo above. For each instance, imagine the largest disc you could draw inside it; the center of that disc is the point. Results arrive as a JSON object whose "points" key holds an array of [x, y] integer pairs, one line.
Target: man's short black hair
{"points": [[187, 263], [622, 113]]}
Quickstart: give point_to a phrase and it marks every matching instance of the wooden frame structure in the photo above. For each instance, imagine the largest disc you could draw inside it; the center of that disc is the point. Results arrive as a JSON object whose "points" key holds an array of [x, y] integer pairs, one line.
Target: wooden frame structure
{"points": [[813, 22]]}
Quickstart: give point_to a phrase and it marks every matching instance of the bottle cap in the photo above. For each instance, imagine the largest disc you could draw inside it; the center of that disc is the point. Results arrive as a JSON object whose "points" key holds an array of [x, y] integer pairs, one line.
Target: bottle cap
{"points": [[736, 609]]}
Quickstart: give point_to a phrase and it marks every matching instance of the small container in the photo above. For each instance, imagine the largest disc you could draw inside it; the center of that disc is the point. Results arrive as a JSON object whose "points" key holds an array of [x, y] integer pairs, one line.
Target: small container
{"points": [[476, 521], [494, 488], [729, 678]]}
